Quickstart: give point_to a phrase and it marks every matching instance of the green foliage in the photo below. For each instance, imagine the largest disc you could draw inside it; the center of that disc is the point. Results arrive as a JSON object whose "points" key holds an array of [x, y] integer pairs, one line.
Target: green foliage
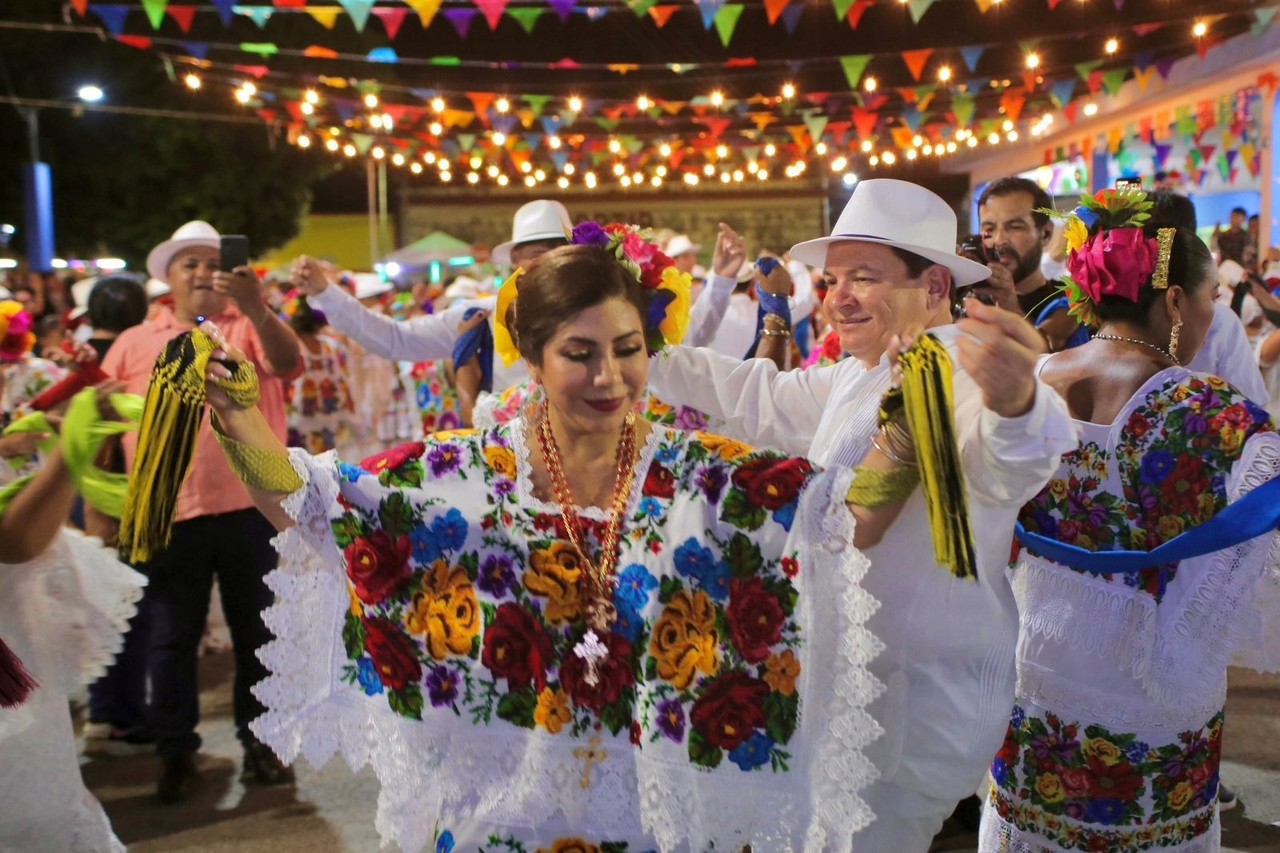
{"points": [[517, 708]]}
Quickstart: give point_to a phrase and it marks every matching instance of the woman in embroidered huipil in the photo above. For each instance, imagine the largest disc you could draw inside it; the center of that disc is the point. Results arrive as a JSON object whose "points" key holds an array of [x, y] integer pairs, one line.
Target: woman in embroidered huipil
{"points": [[578, 630], [1116, 733]]}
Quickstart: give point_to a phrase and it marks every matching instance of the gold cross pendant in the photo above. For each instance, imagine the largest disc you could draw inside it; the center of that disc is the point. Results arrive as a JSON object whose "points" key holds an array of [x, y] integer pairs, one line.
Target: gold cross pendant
{"points": [[590, 754]]}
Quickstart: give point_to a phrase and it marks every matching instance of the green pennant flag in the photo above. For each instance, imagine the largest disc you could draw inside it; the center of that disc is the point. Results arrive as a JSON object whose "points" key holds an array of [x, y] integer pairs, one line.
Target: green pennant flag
{"points": [[1084, 69], [466, 141], [1224, 168], [363, 142], [854, 66], [526, 16], [359, 11], [641, 7], [1112, 80], [537, 103], [727, 21], [1263, 19], [918, 8], [1196, 157], [260, 48], [963, 105], [155, 11], [816, 123], [842, 8], [607, 123]]}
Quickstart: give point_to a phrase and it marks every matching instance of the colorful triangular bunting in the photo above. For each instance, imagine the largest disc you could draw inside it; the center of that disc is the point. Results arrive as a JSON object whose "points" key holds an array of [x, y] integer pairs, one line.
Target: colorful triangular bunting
{"points": [[727, 21], [155, 11], [917, 8], [916, 61], [112, 17], [325, 16], [426, 10], [359, 11], [853, 67], [526, 17], [392, 18]]}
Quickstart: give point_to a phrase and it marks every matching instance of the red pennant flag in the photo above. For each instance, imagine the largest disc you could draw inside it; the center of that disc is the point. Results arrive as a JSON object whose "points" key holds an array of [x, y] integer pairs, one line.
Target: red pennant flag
{"points": [[916, 60], [717, 126], [909, 95], [183, 16], [875, 102], [140, 42], [854, 17], [864, 122], [257, 72], [1095, 82], [1012, 101], [772, 8], [481, 101], [289, 4], [1029, 80], [492, 11], [1070, 111], [1146, 29], [391, 19], [838, 129], [741, 62], [1053, 4], [662, 14], [81, 6]]}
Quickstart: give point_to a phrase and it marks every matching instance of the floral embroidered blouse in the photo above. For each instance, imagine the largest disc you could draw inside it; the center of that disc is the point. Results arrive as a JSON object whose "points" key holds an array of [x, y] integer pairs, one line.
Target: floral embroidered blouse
{"points": [[1115, 738], [427, 618]]}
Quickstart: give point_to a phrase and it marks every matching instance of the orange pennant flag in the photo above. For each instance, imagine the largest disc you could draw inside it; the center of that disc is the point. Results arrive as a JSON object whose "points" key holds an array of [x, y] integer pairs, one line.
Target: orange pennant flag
{"points": [[1144, 77], [1012, 101], [903, 137], [916, 60], [481, 100], [662, 14], [81, 6], [672, 107], [315, 51], [772, 8], [762, 120], [801, 136]]}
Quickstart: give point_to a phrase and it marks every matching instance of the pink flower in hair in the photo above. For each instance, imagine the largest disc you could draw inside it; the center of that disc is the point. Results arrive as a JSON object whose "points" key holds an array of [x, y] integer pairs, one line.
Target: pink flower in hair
{"points": [[1118, 262]]}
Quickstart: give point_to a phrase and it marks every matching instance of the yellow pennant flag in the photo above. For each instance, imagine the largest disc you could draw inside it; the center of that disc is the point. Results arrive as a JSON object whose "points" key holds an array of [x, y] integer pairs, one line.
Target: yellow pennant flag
{"points": [[426, 10], [326, 16]]}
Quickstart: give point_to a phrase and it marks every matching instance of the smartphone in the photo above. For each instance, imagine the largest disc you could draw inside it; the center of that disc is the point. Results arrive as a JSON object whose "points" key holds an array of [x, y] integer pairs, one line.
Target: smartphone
{"points": [[233, 250], [1123, 183]]}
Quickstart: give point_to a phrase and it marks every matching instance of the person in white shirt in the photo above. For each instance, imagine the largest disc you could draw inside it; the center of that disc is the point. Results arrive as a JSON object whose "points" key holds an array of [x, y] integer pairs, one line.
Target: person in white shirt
{"points": [[737, 331], [947, 672], [537, 227]]}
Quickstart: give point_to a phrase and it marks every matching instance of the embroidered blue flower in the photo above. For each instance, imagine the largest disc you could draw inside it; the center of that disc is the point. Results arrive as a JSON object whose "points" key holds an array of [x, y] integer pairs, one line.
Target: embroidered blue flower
{"points": [[650, 507], [445, 842], [753, 752], [450, 529], [350, 473], [367, 675], [668, 454], [1018, 718], [1136, 752], [786, 515], [1156, 466], [999, 772], [629, 624], [699, 563], [634, 584], [1106, 811], [426, 547]]}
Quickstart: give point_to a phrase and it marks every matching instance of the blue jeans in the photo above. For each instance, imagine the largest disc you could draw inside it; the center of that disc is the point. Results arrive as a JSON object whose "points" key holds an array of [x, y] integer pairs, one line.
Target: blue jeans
{"points": [[237, 547]]}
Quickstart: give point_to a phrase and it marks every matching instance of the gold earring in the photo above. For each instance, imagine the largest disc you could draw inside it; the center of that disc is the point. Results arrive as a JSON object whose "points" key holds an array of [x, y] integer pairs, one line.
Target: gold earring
{"points": [[1174, 334]]}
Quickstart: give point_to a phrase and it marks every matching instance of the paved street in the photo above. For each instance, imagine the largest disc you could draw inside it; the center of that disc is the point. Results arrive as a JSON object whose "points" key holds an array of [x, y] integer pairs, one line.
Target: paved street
{"points": [[333, 810]]}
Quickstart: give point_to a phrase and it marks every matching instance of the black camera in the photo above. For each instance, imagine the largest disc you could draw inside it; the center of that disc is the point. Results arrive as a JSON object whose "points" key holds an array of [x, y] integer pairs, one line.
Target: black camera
{"points": [[973, 248]]}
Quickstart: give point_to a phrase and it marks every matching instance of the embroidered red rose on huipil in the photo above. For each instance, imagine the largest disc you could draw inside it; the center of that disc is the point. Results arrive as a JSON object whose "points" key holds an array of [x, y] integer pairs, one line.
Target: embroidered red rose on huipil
{"points": [[393, 654], [755, 618], [729, 711], [771, 483], [517, 648], [659, 483], [395, 457], [378, 565], [613, 676]]}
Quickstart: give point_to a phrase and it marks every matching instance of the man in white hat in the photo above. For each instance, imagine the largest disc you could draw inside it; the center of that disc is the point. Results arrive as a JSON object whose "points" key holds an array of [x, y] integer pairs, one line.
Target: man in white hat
{"points": [[947, 671], [218, 531], [534, 232], [683, 251]]}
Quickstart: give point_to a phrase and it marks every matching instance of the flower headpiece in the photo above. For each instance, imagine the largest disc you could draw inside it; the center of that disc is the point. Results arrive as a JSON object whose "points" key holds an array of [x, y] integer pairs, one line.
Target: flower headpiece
{"points": [[1110, 255], [668, 318], [16, 335], [295, 301]]}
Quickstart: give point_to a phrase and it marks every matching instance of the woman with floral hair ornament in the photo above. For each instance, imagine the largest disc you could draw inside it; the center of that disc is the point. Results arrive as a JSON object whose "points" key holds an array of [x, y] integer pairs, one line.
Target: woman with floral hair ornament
{"points": [[578, 629], [1146, 562]]}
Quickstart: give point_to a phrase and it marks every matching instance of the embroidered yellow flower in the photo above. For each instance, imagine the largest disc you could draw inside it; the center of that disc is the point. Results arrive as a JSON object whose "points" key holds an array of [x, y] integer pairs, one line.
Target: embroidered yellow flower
{"points": [[1058, 489], [725, 448], [553, 574], [357, 609], [1169, 526], [501, 460], [446, 613], [781, 672], [1181, 795], [684, 638], [1231, 438], [1049, 787], [553, 710], [1104, 750], [656, 408], [451, 434], [1076, 233]]}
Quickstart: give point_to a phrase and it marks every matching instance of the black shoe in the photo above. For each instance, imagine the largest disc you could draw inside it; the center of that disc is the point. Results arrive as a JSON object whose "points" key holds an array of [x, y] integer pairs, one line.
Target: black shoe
{"points": [[968, 813], [1227, 799], [180, 778], [106, 739], [263, 767]]}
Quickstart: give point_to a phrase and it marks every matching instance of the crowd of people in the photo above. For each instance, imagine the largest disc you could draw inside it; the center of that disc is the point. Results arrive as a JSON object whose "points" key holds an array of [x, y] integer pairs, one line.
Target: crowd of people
{"points": [[797, 551]]}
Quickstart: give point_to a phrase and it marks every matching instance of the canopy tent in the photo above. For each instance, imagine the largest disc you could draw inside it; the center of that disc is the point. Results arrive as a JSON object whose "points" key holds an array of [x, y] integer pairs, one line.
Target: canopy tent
{"points": [[435, 247]]}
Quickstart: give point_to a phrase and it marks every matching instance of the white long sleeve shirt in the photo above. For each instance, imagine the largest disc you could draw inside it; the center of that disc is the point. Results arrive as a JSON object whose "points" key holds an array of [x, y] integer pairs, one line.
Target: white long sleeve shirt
{"points": [[432, 336], [1228, 353], [948, 667]]}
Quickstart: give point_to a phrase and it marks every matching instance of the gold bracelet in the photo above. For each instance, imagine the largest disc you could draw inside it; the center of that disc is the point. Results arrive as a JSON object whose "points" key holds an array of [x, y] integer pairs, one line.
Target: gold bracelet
{"points": [[264, 470], [896, 442], [775, 333], [872, 488]]}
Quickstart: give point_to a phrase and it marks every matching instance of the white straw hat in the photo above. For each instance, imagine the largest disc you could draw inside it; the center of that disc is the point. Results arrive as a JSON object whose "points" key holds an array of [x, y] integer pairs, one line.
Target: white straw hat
{"points": [[543, 219], [156, 288], [368, 284], [900, 214], [680, 244], [194, 233]]}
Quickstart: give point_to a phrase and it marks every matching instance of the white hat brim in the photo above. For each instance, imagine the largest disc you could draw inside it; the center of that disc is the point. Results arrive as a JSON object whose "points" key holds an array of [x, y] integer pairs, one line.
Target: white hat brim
{"points": [[964, 272], [159, 258], [501, 253]]}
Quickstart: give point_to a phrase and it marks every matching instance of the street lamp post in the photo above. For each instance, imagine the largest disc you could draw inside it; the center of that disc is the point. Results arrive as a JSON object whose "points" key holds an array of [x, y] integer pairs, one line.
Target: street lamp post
{"points": [[37, 198]]}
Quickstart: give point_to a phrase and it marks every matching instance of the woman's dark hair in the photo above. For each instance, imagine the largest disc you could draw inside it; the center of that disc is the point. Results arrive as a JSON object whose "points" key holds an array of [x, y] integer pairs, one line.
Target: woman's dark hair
{"points": [[306, 320], [116, 303], [1190, 266], [562, 284]]}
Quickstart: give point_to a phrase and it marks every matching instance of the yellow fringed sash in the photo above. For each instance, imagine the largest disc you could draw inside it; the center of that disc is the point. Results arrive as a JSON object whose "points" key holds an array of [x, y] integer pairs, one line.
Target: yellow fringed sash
{"points": [[928, 401], [167, 439]]}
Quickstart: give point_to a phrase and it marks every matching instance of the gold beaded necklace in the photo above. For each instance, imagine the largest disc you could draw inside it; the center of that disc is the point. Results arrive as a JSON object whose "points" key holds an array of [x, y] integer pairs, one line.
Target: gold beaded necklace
{"points": [[598, 608]]}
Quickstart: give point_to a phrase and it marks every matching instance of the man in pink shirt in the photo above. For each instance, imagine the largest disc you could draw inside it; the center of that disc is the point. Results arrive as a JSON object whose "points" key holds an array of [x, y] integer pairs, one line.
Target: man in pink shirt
{"points": [[217, 531]]}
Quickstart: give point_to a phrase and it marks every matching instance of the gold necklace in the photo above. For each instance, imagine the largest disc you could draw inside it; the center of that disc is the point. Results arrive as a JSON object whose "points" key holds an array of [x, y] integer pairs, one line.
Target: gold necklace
{"points": [[598, 608]]}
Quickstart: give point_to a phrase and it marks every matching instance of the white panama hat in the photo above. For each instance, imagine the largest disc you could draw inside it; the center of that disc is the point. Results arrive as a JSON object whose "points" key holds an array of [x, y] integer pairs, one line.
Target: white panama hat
{"points": [[680, 244], [80, 296], [156, 288], [369, 284], [462, 287], [194, 233], [542, 219], [900, 214]]}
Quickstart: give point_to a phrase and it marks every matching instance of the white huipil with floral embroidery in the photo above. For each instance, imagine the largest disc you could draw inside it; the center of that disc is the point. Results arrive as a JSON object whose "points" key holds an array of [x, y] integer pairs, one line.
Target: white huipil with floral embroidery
{"points": [[1116, 734], [427, 615]]}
